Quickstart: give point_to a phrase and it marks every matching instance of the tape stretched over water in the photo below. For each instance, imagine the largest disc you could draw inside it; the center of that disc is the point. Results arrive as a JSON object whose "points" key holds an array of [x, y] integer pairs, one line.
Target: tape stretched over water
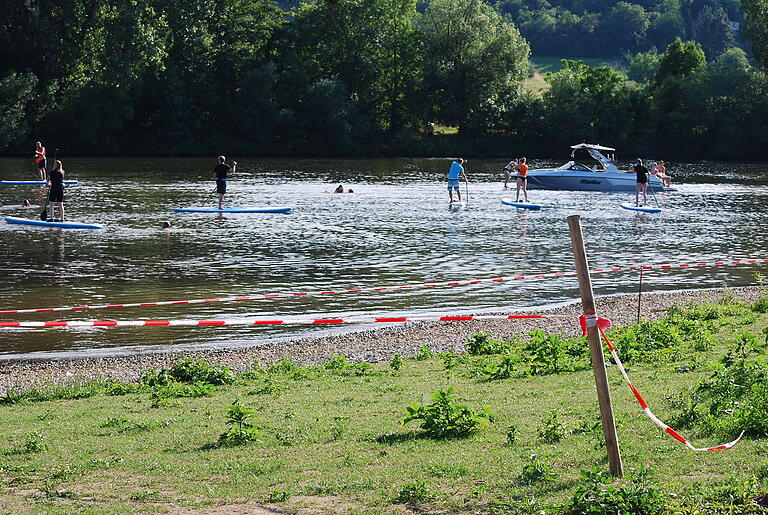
{"points": [[264, 321], [604, 323], [465, 282]]}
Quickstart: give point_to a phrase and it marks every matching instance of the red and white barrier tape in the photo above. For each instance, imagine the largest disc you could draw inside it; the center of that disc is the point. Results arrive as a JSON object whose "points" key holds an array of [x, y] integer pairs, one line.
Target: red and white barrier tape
{"points": [[604, 323], [465, 282], [265, 321]]}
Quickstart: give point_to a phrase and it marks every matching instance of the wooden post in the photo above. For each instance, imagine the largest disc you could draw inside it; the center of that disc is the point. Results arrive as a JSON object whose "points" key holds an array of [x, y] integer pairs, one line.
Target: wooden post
{"points": [[639, 295], [595, 346]]}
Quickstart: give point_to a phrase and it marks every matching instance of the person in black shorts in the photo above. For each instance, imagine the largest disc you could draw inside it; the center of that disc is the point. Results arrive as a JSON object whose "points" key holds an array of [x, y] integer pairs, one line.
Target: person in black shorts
{"points": [[642, 181], [56, 194], [40, 160], [220, 173]]}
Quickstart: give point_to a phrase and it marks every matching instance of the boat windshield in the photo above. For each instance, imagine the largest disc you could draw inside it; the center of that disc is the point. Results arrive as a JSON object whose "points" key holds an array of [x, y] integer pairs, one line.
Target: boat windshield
{"points": [[572, 165]]}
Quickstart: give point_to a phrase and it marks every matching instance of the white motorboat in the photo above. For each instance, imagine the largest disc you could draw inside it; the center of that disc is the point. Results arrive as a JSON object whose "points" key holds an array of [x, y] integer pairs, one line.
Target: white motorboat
{"points": [[605, 176]]}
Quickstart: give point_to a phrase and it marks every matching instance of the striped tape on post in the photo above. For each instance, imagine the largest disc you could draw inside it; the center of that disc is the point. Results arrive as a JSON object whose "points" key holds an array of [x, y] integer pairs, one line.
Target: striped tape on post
{"points": [[604, 323], [265, 321], [284, 295]]}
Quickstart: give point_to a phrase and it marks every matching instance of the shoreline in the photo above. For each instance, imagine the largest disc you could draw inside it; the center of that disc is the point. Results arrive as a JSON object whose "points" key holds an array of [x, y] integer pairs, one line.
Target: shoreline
{"points": [[369, 345]]}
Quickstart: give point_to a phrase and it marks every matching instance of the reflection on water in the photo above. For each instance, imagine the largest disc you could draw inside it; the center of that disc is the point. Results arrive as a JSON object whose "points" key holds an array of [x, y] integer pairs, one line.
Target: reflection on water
{"points": [[395, 229]]}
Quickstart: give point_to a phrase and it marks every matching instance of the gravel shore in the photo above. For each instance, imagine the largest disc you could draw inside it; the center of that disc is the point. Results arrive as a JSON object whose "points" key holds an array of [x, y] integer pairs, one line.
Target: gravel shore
{"points": [[370, 346]]}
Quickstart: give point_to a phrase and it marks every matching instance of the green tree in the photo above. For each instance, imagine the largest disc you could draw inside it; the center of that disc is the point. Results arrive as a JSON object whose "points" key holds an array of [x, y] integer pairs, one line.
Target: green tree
{"points": [[627, 25], [16, 92], [756, 28], [680, 59], [667, 25], [712, 30], [587, 104], [643, 67], [371, 46], [477, 62]]}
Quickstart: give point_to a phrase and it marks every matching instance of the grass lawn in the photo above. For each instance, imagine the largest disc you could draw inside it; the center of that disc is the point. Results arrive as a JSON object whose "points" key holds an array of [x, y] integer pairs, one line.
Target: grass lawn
{"points": [[543, 65], [334, 436]]}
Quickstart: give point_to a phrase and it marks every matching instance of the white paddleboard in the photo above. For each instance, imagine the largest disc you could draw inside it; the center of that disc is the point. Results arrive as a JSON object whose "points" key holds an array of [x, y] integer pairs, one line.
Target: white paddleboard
{"points": [[45, 223], [457, 205], [276, 209], [21, 183], [522, 205], [643, 209]]}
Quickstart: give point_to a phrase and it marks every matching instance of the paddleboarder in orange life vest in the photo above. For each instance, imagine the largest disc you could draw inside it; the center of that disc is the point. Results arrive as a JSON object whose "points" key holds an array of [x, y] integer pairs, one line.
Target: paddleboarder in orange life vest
{"points": [[40, 160], [522, 179]]}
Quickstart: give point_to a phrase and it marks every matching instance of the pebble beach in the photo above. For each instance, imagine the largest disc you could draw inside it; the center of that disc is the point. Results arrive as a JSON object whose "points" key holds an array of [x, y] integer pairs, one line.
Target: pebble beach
{"points": [[370, 345]]}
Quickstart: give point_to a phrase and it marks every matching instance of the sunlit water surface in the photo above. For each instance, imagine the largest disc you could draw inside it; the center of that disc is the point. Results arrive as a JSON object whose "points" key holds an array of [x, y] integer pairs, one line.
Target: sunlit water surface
{"points": [[395, 229]]}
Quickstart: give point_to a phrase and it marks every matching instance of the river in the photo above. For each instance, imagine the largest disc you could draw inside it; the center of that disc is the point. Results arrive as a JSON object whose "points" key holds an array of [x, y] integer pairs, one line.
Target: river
{"points": [[394, 229]]}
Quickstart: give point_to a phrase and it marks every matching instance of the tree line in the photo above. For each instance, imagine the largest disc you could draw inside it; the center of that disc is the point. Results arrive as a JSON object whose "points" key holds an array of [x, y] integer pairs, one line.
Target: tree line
{"points": [[357, 77], [601, 28]]}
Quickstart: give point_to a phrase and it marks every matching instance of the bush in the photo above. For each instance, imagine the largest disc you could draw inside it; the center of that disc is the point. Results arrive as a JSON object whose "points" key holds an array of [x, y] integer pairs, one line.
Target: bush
{"points": [[173, 389], [733, 398], [511, 434], [553, 430], [424, 353], [483, 344], [241, 429], [189, 370], [553, 354], [397, 362], [535, 470], [415, 493], [445, 418], [591, 496]]}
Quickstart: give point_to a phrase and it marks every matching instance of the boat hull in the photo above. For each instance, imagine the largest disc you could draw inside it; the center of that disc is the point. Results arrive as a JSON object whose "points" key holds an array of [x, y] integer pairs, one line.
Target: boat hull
{"points": [[586, 181]]}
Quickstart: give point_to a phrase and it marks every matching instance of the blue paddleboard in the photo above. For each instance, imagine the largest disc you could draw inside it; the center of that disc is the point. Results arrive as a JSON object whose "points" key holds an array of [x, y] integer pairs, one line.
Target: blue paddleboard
{"points": [[643, 209], [58, 225], [279, 209], [19, 183], [522, 205]]}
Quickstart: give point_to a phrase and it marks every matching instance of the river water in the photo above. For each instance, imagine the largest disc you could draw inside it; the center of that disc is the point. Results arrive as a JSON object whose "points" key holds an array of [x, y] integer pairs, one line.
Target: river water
{"points": [[395, 229]]}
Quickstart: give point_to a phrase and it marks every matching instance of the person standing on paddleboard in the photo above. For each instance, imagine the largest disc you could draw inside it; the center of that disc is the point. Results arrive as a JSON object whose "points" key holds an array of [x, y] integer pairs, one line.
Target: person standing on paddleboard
{"points": [[40, 160], [522, 179], [456, 172], [220, 173], [56, 194], [642, 181], [512, 165]]}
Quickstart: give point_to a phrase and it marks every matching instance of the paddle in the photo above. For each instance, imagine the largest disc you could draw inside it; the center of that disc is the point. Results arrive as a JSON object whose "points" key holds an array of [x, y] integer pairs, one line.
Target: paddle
{"points": [[34, 167], [209, 196], [653, 193], [466, 189]]}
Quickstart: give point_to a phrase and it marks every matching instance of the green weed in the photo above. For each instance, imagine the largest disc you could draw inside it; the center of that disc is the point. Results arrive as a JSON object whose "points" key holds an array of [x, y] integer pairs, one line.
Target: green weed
{"points": [[734, 397], [397, 362], [278, 495], [552, 430], [33, 444], [445, 418], [425, 353], [484, 344], [189, 371], [415, 493], [511, 434], [535, 471], [592, 496], [240, 428]]}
